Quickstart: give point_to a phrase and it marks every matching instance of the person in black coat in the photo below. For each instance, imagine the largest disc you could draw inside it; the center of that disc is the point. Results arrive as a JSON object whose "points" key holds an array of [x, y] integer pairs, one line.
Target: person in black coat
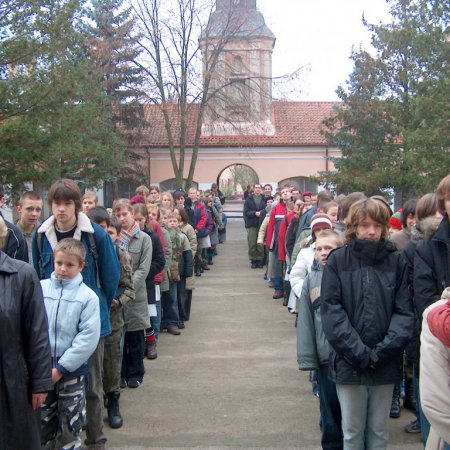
{"points": [[367, 317], [25, 359]]}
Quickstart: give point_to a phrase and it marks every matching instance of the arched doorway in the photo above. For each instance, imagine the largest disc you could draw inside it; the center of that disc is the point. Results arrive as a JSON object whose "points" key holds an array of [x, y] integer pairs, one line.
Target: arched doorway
{"points": [[234, 179], [303, 183]]}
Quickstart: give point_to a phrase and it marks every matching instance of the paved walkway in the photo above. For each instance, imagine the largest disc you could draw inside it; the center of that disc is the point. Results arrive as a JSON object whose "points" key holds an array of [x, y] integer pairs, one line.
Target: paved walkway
{"points": [[231, 379]]}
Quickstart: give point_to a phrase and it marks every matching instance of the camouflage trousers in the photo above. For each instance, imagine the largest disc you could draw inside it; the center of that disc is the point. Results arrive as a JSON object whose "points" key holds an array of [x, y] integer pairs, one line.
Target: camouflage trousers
{"points": [[112, 361], [61, 415]]}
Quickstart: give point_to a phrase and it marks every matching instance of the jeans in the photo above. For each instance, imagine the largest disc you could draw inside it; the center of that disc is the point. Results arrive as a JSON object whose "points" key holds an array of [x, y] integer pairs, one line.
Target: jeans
{"points": [[330, 411], [156, 320], [365, 415], [169, 305], [278, 283], [424, 424]]}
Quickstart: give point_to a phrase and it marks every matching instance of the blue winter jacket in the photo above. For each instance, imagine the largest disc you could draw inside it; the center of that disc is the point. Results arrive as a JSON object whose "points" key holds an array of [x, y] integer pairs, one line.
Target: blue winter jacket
{"points": [[108, 264], [73, 314]]}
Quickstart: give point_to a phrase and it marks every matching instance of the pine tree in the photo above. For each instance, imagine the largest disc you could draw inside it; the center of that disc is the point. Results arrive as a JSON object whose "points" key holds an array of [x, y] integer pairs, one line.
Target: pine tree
{"points": [[392, 126]]}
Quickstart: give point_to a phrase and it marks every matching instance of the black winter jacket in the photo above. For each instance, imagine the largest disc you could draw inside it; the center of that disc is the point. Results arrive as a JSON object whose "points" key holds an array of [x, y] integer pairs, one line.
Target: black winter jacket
{"points": [[250, 209], [158, 262], [25, 360], [15, 245], [367, 312], [432, 267]]}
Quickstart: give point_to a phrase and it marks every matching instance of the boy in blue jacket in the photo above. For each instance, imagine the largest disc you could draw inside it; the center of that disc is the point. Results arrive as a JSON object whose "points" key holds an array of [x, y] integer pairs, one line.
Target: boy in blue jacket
{"points": [[73, 314]]}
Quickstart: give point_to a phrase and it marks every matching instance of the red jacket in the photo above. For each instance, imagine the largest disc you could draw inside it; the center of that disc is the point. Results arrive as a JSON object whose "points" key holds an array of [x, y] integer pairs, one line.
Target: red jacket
{"points": [[282, 235], [278, 212]]}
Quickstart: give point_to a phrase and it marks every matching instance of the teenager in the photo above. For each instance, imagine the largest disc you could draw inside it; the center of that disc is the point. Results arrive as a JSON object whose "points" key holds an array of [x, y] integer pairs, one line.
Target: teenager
{"points": [[368, 319]]}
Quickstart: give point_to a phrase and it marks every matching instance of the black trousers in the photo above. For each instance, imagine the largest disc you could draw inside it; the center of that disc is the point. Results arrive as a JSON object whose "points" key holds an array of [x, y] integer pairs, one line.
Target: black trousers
{"points": [[132, 360]]}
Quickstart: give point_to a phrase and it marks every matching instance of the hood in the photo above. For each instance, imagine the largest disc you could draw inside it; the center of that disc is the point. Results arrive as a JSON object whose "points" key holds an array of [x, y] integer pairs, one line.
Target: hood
{"points": [[425, 228]]}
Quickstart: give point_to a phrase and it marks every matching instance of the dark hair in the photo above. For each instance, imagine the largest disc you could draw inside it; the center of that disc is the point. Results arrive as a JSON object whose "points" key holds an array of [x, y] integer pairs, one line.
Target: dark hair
{"points": [[409, 208], [183, 214], [65, 190], [114, 222], [98, 215]]}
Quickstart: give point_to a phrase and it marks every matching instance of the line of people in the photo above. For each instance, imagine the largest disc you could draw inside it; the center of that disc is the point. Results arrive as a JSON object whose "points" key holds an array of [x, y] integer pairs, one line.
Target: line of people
{"points": [[111, 281], [362, 282]]}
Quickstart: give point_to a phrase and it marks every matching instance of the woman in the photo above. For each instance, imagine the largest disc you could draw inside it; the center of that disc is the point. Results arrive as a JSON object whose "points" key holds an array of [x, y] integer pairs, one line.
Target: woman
{"points": [[25, 360]]}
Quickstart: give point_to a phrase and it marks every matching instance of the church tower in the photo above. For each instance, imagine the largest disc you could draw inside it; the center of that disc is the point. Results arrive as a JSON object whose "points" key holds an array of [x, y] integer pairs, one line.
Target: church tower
{"points": [[237, 51]]}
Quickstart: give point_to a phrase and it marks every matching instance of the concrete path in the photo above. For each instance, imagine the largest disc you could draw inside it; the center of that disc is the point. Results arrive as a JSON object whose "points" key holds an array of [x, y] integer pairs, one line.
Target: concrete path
{"points": [[231, 379]]}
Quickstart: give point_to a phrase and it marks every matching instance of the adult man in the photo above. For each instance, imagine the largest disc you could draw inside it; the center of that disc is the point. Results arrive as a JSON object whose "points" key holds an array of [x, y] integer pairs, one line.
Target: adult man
{"points": [[267, 190], [253, 207], [15, 245], [29, 208], [101, 273]]}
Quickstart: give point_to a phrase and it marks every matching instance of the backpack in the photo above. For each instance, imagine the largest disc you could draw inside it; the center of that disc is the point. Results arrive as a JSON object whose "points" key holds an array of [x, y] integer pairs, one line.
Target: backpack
{"points": [[92, 246]]}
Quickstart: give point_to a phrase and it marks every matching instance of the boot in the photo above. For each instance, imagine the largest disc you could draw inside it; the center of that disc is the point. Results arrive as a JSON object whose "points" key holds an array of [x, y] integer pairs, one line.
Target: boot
{"points": [[198, 272], [151, 349], [395, 405], [114, 417], [409, 402]]}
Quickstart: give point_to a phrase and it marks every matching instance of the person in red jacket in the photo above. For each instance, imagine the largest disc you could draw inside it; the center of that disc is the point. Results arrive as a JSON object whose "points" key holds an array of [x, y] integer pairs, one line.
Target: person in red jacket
{"points": [[277, 215]]}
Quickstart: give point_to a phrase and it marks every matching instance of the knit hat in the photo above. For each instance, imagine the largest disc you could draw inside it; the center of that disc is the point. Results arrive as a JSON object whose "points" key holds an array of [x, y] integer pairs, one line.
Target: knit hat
{"points": [[396, 220], [320, 220], [307, 194], [137, 199]]}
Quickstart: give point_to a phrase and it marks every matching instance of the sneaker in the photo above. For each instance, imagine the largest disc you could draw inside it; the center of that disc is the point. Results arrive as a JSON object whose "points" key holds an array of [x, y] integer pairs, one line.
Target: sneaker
{"points": [[123, 383], [413, 427], [172, 329], [133, 383]]}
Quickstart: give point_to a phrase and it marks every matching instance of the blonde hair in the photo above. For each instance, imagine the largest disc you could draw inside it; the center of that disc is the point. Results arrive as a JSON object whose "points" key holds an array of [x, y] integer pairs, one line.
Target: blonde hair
{"points": [[142, 190], [71, 247], [443, 191], [338, 238], [90, 194], [122, 203], [3, 231], [174, 215], [363, 208]]}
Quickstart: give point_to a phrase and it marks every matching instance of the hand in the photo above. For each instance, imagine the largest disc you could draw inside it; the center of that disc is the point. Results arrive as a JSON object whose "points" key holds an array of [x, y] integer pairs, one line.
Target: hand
{"points": [[115, 304], [257, 213], [56, 375], [37, 399]]}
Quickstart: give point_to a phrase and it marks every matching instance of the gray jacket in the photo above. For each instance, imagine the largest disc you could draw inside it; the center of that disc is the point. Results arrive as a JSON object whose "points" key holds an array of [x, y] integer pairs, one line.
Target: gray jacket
{"points": [[313, 348], [136, 314]]}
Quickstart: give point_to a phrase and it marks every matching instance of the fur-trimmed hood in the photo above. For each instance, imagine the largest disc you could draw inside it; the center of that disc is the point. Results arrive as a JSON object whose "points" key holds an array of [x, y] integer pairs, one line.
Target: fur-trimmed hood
{"points": [[425, 228], [48, 228]]}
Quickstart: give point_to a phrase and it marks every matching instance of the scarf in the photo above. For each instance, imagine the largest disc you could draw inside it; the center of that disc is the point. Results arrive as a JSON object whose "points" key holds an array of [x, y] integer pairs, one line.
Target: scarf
{"points": [[126, 236]]}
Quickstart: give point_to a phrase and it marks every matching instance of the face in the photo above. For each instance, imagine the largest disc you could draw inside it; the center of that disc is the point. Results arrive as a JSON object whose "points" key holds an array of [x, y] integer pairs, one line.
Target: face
{"points": [[64, 212], [267, 190], [172, 222], [369, 230], [285, 194], [269, 202], [163, 220], [180, 201], [166, 202], [193, 194], [154, 194], [410, 221], [125, 217], [307, 198], [324, 245], [30, 211], [67, 266], [152, 213], [333, 214], [257, 189], [112, 233], [104, 225], [198, 195], [295, 192], [88, 203], [140, 219]]}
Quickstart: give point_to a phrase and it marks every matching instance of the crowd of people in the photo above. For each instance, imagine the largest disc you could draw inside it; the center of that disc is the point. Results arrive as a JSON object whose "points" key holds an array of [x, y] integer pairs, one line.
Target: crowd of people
{"points": [[361, 282], [87, 294]]}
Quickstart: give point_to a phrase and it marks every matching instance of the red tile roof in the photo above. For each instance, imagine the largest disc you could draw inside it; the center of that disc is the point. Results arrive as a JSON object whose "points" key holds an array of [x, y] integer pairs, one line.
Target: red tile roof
{"points": [[296, 124]]}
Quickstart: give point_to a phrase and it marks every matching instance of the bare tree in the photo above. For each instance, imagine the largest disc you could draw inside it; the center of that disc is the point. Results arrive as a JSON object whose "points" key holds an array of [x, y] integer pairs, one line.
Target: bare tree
{"points": [[182, 83]]}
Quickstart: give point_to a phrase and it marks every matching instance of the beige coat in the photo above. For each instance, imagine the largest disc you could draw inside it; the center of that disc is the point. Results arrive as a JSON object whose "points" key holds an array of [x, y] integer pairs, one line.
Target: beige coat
{"points": [[435, 384], [189, 231]]}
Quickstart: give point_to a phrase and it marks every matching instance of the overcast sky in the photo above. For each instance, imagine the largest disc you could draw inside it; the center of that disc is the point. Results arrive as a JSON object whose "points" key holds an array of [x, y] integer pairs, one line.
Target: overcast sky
{"points": [[319, 34]]}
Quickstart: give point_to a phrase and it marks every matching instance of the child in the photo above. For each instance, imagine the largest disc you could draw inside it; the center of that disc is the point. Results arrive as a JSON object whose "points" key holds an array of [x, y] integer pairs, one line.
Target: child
{"points": [[312, 347], [139, 245], [73, 314], [181, 267], [368, 319], [112, 356]]}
